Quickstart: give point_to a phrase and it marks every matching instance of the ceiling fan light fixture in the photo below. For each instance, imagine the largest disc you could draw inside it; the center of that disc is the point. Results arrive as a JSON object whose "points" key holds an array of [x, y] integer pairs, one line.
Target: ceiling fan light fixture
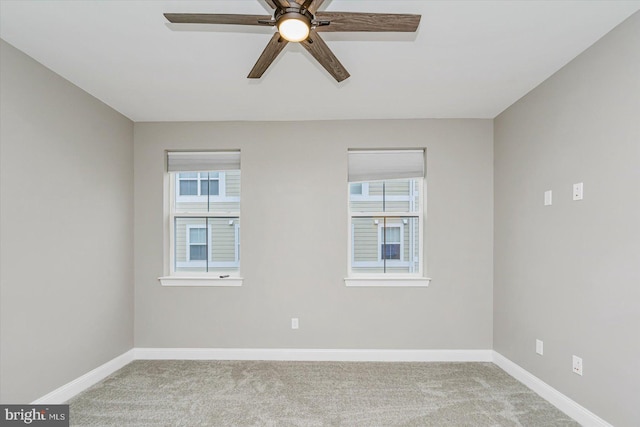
{"points": [[294, 27]]}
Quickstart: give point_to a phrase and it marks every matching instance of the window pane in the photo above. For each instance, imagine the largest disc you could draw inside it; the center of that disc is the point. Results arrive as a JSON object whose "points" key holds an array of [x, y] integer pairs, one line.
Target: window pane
{"points": [[214, 187], [390, 248], [197, 235], [225, 186], [390, 251], [224, 244], [188, 187], [398, 195], [392, 234], [207, 244], [198, 252], [190, 244], [364, 245], [394, 248], [355, 188], [188, 175]]}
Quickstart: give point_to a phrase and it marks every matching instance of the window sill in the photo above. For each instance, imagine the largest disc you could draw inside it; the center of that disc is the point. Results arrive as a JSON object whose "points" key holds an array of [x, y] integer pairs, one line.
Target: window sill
{"points": [[200, 281], [393, 282]]}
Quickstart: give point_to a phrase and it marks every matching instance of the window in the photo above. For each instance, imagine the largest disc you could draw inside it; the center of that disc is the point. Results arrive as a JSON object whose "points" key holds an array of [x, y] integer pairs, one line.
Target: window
{"points": [[196, 243], [197, 186], [359, 189], [204, 218], [390, 242], [386, 212]]}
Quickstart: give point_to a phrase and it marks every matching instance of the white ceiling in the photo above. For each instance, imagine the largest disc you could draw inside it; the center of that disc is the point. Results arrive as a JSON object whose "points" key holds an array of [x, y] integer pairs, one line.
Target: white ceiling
{"points": [[469, 59]]}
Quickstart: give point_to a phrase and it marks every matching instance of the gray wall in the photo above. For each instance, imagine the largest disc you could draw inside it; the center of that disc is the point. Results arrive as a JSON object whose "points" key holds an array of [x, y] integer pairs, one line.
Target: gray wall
{"points": [[294, 240], [569, 274], [66, 225]]}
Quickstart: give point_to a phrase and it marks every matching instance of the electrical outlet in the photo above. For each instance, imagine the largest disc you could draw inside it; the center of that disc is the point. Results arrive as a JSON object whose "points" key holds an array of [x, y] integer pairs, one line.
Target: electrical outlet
{"points": [[577, 191], [294, 323], [577, 365], [539, 347]]}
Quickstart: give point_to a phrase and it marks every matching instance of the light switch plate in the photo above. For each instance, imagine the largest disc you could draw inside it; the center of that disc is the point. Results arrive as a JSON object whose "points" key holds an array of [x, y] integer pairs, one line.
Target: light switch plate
{"points": [[539, 347], [548, 200]]}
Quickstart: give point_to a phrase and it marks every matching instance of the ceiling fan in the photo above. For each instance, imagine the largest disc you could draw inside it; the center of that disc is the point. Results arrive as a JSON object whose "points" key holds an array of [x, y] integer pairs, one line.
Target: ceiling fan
{"points": [[299, 21]]}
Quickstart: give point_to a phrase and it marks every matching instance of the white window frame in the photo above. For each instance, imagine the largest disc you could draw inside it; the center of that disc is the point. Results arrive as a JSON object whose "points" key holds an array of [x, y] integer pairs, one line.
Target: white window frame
{"points": [[183, 278], [415, 279]]}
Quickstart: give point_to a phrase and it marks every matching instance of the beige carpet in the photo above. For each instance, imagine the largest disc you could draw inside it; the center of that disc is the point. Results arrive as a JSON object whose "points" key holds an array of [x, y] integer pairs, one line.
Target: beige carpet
{"points": [[241, 393]]}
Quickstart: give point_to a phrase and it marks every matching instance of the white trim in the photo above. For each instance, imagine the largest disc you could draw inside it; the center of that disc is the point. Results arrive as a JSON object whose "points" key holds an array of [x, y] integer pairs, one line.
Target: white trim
{"points": [[396, 282], [67, 391], [553, 396], [319, 355], [201, 281]]}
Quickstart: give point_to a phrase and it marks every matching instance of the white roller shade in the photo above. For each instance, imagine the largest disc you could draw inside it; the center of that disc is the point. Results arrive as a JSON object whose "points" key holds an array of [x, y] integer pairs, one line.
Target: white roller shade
{"points": [[387, 164], [189, 161]]}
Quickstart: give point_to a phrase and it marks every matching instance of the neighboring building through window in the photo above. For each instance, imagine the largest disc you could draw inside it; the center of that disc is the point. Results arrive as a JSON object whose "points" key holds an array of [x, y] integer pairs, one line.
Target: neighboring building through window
{"points": [[390, 241], [386, 213], [196, 243], [204, 213], [199, 184]]}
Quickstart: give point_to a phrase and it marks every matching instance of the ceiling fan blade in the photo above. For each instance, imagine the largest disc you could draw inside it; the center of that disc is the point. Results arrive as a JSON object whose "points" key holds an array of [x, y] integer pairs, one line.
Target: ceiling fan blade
{"points": [[372, 22], [216, 18], [282, 3], [319, 49], [271, 3], [269, 54], [313, 4]]}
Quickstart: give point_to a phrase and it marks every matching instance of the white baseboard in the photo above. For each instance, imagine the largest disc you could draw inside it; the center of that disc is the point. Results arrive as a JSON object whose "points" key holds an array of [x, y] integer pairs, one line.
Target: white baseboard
{"points": [[292, 354], [553, 396], [67, 391]]}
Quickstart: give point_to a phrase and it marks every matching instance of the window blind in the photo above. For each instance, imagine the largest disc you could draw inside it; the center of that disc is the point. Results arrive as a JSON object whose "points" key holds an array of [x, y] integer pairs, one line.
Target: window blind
{"points": [[385, 164], [190, 161]]}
